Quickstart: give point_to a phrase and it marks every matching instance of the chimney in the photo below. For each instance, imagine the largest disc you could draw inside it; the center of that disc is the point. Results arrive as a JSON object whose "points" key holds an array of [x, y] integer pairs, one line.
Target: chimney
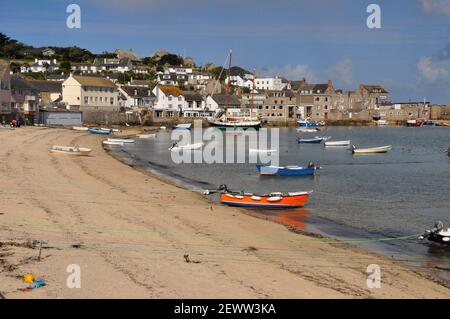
{"points": [[330, 83]]}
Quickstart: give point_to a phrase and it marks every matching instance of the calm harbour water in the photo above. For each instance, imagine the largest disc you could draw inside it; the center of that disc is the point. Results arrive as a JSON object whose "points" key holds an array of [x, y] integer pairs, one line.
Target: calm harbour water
{"points": [[400, 193]]}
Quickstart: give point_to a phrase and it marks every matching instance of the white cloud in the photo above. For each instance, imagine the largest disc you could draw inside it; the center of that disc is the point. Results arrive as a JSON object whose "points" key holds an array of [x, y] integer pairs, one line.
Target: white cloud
{"points": [[436, 6], [291, 72], [342, 71], [432, 71]]}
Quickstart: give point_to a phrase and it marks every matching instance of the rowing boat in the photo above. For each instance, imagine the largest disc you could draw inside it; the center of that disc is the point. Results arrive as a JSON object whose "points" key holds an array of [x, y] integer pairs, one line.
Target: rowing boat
{"points": [[80, 128], [316, 140], [100, 132], [187, 147], [266, 201], [71, 150], [146, 135], [308, 130], [113, 143], [254, 150], [124, 140], [381, 149], [337, 143], [285, 170], [183, 126]]}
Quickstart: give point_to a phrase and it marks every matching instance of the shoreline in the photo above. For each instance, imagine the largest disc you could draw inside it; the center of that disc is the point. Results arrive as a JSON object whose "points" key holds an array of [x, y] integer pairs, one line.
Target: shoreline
{"points": [[318, 233], [129, 231]]}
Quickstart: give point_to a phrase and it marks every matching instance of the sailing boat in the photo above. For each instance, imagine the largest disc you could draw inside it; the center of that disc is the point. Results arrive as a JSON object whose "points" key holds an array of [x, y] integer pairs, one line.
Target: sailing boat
{"points": [[225, 122]]}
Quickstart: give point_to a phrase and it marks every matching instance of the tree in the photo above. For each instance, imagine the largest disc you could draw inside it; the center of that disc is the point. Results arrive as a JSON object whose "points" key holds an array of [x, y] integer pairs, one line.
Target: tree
{"points": [[171, 59], [65, 66]]}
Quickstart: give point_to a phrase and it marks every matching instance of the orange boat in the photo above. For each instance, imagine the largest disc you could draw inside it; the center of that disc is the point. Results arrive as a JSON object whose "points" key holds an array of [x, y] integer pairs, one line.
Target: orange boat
{"points": [[271, 201]]}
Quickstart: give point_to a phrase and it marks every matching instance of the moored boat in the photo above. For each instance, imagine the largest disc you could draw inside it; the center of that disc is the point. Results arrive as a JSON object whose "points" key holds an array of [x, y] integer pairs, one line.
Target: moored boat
{"points": [[438, 234], [188, 147], [80, 128], [266, 201], [381, 149], [308, 130], [146, 135], [382, 123], [99, 131], [309, 123], [123, 140], [254, 150], [71, 150], [414, 123], [316, 140], [337, 143], [183, 126], [286, 170], [113, 143]]}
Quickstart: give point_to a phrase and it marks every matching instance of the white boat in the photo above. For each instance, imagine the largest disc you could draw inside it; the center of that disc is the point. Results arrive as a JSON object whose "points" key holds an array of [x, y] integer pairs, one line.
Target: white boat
{"points": [[337, 143], [146, 135], [123, 140], [382, 122], [71, 150], [307, 130], [253, 150], [80, 128], [381, 149], [113, 143], [162, 128], [183, 126], [110, 129], [187, 147]]}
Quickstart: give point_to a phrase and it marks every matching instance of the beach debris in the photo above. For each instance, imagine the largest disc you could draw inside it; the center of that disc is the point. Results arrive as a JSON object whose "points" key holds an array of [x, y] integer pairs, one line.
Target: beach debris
{"points": [[76, 246], [28, 278], [250, 249], [38, 284], [34, 284], [188, 260]]}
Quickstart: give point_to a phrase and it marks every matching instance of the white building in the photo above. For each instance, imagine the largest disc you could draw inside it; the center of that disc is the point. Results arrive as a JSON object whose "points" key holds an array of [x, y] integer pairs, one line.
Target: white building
{"points": [[41, 65], [271, 84], [137, 96], [169, 100]]}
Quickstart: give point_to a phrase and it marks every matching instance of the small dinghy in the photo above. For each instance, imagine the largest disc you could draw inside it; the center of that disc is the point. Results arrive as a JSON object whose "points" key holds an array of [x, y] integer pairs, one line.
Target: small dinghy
{"points": [[123, 140], [146, 135], [308, 130], [287, 170], [265, 201], [183, 126], [438, 234], [99, 131], [71, 150], [381, 149], [80, 128], [316, 140], [337, 143], [118, 143], [254, 150], [189, 147], [115, 130]]}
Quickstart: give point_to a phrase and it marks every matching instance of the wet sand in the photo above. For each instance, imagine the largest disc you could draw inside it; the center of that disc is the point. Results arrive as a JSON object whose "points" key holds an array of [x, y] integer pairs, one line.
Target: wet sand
{"points": [[135, 236]]}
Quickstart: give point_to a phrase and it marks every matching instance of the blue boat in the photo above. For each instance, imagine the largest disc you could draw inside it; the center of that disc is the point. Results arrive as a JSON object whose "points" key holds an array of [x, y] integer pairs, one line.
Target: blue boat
{"points": [[286, 170], [316, 140], [308, 123], [101, 132]]}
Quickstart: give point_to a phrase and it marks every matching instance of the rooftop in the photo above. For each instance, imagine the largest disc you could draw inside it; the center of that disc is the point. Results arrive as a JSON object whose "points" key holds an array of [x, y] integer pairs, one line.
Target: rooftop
{"points": [[94, 81]]}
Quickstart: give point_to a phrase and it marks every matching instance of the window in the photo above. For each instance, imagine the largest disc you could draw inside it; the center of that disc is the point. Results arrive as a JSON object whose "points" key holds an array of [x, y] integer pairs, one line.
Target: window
{"points": [[86, 100], [317, 99], [111, 100], [101, 99]]}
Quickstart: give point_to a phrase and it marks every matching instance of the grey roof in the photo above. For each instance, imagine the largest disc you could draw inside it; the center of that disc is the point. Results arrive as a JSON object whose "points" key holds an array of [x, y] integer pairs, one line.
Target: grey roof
{"points": [[19, 83], [192, 96], [46, 86], [221, 99], [57, 76]]}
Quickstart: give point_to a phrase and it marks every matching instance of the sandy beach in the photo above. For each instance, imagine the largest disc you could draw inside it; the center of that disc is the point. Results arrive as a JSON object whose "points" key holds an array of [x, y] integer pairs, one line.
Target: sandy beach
{"points": [[135, 236]]}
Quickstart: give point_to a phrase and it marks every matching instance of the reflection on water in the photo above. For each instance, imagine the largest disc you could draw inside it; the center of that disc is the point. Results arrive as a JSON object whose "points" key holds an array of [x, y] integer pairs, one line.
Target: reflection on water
{"points": [[396, 194]]}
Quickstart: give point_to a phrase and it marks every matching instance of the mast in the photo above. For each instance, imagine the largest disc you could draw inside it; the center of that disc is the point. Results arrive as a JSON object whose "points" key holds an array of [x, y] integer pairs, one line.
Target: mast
{"points": [[228, 84], [252, 104]]}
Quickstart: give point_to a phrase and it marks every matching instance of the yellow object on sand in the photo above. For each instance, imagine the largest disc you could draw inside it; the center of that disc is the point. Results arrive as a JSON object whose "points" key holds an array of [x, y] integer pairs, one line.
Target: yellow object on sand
{"points": [[28, 278]]}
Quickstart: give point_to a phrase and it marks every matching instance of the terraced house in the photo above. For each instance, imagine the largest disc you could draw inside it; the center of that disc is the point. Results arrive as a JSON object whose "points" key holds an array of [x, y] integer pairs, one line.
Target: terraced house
{"points": [[5, 91], [90, 93]]}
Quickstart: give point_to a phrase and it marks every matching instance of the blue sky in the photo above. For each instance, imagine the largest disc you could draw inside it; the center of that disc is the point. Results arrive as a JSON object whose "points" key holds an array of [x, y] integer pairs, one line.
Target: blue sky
{"points": [[318, 39]]}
